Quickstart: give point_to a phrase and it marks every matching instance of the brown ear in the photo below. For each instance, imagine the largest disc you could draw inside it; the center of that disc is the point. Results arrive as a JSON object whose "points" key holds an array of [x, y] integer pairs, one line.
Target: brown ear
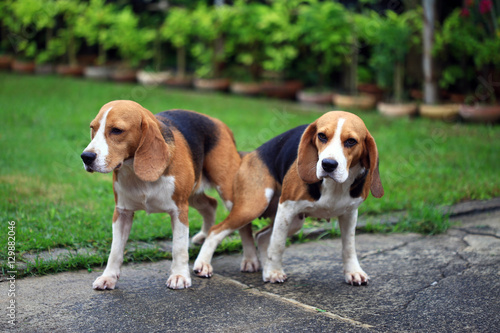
{"points": [[151, 157], [373, 182], [308, 156]]}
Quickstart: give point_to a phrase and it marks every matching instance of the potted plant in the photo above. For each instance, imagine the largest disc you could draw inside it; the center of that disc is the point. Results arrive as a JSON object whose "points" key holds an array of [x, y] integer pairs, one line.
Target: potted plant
{"points": [[153, 73], [65, 42], [133, 44], [325, 32], [474, 33], [178, 30], [18, 16], [6, 57], [93, 24], [280, 49], [245, 38], [209, 50], [391, 37]]}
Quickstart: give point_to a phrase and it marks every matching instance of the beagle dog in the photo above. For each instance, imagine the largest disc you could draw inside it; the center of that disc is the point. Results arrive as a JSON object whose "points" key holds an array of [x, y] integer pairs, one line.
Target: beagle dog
{"points": [[325, 169], [160, 163]]}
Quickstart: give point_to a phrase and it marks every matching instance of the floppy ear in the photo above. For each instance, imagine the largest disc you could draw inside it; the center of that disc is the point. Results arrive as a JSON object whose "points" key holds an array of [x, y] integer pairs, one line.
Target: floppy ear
{"points": [[308, 156], [152, 156], [373, 182]]}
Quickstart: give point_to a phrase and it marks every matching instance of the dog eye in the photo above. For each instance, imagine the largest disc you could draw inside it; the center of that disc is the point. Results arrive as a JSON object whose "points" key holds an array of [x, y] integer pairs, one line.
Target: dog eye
{"points": [[116, 131], [350, 143], [322, 137]]}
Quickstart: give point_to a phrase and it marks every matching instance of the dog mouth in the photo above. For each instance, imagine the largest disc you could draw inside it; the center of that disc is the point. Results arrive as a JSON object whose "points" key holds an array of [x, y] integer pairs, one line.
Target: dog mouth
{"points": [[118, 166]]}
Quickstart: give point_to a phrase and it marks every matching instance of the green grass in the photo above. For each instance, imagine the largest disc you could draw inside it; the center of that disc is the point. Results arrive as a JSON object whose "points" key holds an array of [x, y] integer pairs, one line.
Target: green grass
{"points": [[44, 126]]}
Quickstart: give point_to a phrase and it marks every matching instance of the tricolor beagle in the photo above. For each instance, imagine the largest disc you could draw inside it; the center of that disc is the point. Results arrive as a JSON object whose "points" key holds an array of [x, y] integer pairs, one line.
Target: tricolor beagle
{"points": [[160, 163], [322, 170]]}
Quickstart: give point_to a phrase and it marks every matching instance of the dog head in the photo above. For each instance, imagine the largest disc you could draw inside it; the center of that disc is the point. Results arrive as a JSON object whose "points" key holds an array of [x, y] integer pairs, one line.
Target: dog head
{"points": [[123, 130], [333, 144]]}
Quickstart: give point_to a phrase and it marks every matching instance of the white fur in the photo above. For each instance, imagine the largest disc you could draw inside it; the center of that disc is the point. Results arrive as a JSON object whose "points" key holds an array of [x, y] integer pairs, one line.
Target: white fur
{"points": [[99, 145], [334, 151], [153, 197], [269, 192], [135, 194], [335, 201]]}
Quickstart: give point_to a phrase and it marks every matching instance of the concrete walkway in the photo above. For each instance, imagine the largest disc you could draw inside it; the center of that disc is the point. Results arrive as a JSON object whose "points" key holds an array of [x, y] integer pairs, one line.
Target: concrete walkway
{"points": [[444, 283]]}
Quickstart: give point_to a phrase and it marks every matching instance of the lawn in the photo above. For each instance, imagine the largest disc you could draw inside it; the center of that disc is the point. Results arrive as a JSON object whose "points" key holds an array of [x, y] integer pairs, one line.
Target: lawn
{"points": [[45, 126]]}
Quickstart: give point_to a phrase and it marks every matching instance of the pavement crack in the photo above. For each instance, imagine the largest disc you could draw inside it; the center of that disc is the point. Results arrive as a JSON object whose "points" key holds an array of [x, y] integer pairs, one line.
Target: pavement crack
{"points": [[478, 233], [394, 248], [307, 307]]}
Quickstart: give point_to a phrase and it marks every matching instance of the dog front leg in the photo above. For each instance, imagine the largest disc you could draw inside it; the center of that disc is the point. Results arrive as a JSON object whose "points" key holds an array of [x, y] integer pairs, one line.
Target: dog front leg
{"points": [[179, 276], [353, 273], [286, 224], [121, 230]]}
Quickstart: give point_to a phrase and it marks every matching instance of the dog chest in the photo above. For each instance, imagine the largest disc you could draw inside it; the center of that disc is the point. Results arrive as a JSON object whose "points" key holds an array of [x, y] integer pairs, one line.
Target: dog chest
{"points": [[152, 197]]}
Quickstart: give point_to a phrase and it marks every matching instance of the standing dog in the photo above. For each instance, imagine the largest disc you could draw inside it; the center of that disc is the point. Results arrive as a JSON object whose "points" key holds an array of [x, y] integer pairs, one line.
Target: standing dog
{"points": [[322, 170], [160, 163]]}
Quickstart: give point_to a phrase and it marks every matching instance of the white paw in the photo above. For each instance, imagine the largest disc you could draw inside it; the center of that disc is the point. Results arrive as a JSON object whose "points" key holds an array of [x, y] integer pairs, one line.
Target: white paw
{"points": [[250, 265], [178, 282], [203, 269], [105, 282], [274, 276], [356, 278], [199, 238]]}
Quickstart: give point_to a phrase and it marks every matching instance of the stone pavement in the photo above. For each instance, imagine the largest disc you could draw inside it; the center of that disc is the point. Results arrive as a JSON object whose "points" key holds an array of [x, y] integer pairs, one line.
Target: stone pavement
{"points": [[444, 283]]}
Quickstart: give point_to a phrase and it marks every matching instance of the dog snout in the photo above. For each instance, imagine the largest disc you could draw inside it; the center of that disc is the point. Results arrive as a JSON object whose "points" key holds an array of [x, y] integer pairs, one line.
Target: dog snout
{"points": [[88, 157], [329, 165]]}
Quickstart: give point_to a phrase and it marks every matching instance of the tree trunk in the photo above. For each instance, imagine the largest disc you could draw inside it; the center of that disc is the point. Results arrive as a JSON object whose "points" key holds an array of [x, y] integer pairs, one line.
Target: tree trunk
{"points": [[181, 62], [398, 82], [430, 87]]}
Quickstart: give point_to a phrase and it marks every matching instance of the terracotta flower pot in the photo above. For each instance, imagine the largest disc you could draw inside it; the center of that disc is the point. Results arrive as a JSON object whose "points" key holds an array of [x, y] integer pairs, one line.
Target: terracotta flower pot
{"points": [[153, 78], [312, 97], [6, 61], [372, 89], [360, 102], [397, 110], [124, 75], [179, 82], [284, 90], [245, 88], [69, 70], [25, 67], [480, 113], [440, 111], [212, 84]]}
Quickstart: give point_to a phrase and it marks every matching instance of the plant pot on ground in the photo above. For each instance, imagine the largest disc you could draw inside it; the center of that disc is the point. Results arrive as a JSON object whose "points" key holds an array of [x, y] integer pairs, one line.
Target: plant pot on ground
{"points": [[212, 84], [97, 72], [23, 66], [179, 82], [372, 89], [245, 88], [350, 102], [488, 113], [397, 109], [283, 90], [69, 70], [153, 78], [324, 96], [124, 74], [45, 69], [440, 111], [5, 61]]}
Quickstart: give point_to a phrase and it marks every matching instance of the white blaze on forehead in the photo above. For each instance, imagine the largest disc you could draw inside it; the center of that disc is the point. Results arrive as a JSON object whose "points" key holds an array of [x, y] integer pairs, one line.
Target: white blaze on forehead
{"points": [[334, 151], [99, 145]]}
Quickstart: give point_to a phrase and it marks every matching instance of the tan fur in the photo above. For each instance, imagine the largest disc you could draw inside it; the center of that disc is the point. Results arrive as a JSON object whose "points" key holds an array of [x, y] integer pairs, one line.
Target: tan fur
{"points": [[253, 178], [141, 139]]}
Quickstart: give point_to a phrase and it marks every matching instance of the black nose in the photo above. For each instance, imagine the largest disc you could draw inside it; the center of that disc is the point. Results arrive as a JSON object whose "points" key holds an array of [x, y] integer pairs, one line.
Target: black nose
{"points": [[329, 165], [88, 157]]}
